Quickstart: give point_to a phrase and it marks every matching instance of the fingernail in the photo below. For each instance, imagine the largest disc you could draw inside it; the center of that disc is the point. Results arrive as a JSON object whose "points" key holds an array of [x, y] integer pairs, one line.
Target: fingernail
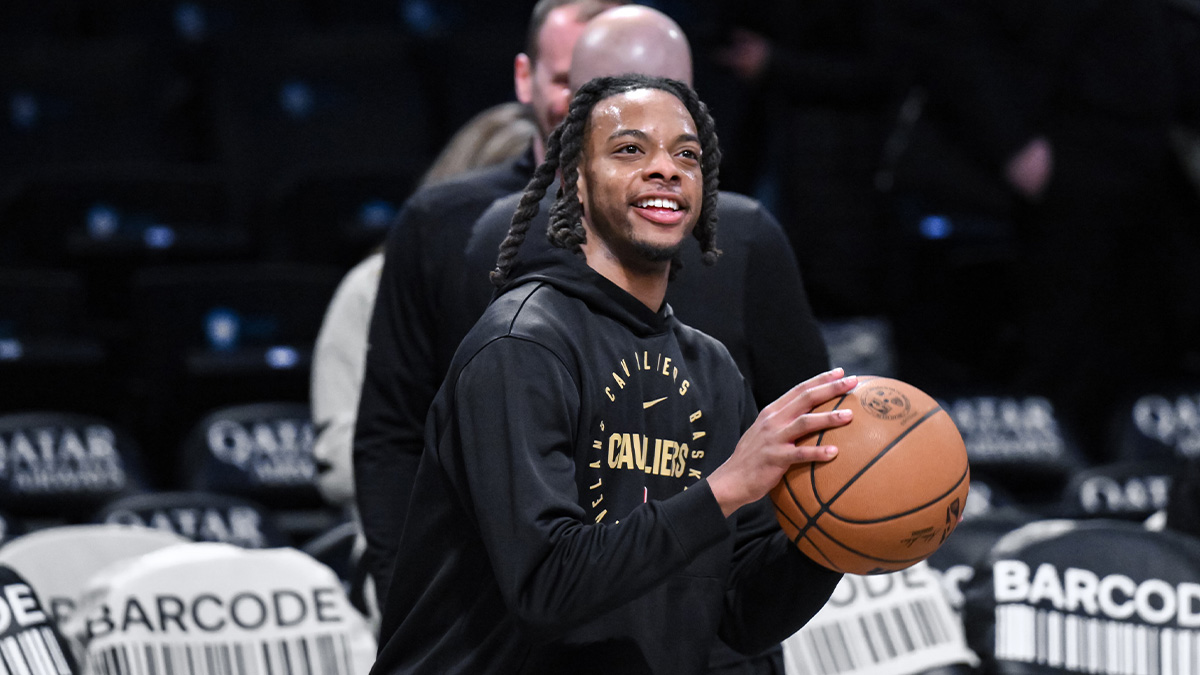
{"points": [[831, 451], [836, 371], [843, 414]]}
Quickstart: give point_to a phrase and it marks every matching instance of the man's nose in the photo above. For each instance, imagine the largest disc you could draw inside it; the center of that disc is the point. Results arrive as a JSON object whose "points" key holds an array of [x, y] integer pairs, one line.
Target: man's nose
{"points": [[660, 163]]}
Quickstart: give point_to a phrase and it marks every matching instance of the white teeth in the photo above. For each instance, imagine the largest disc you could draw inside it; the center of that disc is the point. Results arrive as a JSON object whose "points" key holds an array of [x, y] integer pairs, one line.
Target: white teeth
{"points": [[659, 203]]}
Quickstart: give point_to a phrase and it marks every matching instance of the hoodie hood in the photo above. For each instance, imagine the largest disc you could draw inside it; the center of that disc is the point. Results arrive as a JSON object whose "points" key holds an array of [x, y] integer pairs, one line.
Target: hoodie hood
{"points": [[571, 275]]}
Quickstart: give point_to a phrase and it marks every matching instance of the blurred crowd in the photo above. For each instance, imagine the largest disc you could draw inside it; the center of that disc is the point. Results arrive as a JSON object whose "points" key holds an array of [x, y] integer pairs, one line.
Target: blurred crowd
{"points": [[1008, 182]]}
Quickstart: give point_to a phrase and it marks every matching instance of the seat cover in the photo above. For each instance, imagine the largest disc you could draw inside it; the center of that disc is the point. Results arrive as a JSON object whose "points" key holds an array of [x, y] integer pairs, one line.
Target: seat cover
{"points": [[217, 608]]}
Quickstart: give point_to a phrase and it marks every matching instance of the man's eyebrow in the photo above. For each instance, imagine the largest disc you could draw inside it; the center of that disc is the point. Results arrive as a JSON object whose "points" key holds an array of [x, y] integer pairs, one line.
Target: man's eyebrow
{"points": [[641, 135], [636, 133]]}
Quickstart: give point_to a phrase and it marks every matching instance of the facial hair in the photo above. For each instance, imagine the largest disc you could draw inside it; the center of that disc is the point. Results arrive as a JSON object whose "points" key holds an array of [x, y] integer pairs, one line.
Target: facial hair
{"points": [[656, 254]]}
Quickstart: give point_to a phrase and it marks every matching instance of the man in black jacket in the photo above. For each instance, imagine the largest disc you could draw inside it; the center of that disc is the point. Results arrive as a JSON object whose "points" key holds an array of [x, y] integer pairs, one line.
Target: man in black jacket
{"points": [[755, 304], [592, 493], [407, 359]]}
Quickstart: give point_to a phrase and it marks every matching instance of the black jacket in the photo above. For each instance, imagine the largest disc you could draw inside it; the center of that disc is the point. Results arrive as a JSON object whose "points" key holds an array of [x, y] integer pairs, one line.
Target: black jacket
{"points": [[405, 363], [565, 524]]}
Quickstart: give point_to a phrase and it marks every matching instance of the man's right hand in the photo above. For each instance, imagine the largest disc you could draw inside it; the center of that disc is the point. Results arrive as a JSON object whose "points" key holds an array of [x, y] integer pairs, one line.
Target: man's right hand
{"points": [[768, 448]]}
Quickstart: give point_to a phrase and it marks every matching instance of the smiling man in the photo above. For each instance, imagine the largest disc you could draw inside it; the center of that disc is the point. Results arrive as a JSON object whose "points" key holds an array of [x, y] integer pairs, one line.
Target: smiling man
{"points": [[592, 489]]}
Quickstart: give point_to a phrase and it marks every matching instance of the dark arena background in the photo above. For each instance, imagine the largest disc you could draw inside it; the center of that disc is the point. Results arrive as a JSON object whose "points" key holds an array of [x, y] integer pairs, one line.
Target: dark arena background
{"points": [[997, 202]]}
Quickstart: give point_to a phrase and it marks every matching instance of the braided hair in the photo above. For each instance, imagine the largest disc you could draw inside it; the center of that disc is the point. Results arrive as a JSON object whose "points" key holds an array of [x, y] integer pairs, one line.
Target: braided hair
{"points": [[563, 151]]}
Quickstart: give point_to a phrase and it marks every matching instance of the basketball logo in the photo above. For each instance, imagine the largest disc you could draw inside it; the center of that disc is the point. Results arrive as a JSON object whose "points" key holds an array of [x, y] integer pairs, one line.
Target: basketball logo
{"points": [[885, 403]]}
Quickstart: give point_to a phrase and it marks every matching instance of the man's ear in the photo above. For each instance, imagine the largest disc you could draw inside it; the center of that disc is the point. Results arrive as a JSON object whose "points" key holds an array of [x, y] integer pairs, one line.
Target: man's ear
{"points": [[581, 188], [523, 78]]}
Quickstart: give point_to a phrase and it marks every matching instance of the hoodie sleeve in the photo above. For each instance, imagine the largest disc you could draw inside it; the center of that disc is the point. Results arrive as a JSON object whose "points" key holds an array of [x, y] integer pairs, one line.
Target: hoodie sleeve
{"points": [[774, 589], [517, 439]]}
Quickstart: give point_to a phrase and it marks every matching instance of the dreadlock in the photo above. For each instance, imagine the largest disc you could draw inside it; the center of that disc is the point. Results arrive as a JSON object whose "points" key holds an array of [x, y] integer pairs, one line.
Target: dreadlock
{"points": [[563, 151]]}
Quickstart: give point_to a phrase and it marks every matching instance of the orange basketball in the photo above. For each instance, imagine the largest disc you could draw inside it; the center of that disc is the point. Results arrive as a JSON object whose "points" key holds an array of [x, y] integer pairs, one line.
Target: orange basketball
{"points": [[894, 492]]}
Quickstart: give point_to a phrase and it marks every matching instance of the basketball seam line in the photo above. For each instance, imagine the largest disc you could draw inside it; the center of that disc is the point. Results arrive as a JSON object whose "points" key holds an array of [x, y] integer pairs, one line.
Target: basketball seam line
{"points": [[824, 506], [966, 472]]}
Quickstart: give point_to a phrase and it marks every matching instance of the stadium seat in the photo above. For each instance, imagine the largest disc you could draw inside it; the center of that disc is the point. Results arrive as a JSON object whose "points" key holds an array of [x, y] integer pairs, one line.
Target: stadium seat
{"points": [[224, 609], [956, 560], [288, 101], [898, 623], [334, 214], [135, 213], [213, 335], [87, 101], [185, 26], [341, 547], [1128, 490], [261, 452], [1182, 513], [50, 19], [57, 561], [32, 642], [107, 221], [60, 467], [10, 528], [1158, 422], [862, 345], [1017, 443], [198, 516], [1086, 596], [418, 18], [985, 497], [52, 355]]}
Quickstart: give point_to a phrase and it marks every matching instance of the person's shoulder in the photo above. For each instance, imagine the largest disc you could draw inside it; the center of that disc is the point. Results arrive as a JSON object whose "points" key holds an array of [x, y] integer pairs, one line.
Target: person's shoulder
{"points": [[479, 187], [499, 213], [491, 227], [359, 285], [734, 205], [539, 311], [743, 218], [446, 210], [534, 312], [366, 271]]}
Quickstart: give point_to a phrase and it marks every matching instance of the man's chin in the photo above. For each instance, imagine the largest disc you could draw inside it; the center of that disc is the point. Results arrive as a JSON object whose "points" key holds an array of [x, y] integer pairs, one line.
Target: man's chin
{"points": [[655, 253]]}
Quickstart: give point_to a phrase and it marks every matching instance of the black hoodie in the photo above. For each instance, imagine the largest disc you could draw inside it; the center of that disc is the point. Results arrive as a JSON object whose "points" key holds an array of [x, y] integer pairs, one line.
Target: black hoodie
{"points": [[561, 520]]}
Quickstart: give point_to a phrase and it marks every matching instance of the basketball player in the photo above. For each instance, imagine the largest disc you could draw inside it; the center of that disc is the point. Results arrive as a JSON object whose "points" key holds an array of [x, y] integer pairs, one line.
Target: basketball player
{"points": [[592, 492], [754, 303]]}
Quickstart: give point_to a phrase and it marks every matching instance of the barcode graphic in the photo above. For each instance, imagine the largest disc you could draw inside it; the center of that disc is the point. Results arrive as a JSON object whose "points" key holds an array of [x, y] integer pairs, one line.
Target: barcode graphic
{"points": [[1099, 646], [33, 652], [314, 655], [873, 637]]}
